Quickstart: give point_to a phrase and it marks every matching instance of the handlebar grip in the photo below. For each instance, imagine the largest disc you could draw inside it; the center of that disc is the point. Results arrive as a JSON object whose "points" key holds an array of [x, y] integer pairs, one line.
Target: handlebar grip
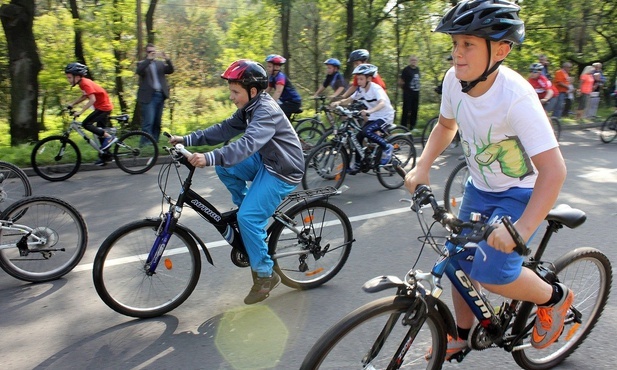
{"points": [[521, 247], [181, 149], [167, 134]]}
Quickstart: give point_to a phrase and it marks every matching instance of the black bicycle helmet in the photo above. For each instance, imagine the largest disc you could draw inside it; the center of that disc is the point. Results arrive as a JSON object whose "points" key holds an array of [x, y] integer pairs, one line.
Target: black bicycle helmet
{"points": [[492, 20], [360, 54], [248, 73], [76, 69]]}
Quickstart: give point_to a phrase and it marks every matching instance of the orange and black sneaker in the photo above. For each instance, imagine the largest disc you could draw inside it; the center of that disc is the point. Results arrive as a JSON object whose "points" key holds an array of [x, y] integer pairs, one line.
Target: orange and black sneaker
{"points": [[454, 346], [550, 319]]}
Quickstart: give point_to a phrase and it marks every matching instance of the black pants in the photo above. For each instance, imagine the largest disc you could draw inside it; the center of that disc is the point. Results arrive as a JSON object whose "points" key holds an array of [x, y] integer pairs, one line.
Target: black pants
{"points": [[100, 118], [411, 101], [290, 107]]}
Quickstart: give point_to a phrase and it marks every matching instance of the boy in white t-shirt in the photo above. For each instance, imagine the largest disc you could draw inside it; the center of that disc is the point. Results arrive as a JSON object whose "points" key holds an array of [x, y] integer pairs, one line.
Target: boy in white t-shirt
{"points": [[516, 167], [379, 111]]}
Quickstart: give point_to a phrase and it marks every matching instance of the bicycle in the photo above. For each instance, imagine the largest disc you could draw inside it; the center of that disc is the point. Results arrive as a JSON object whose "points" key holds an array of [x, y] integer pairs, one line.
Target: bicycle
{"points": [[311, 130], [397, 331], [14, 184], [454, 189], [41, 238], [309, 240], [327, 163], [57, 157], [608, 131]]}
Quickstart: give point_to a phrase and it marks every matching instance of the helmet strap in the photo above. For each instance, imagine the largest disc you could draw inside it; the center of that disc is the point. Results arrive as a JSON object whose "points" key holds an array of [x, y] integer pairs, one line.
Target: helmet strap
{"points": [[467, 86]]}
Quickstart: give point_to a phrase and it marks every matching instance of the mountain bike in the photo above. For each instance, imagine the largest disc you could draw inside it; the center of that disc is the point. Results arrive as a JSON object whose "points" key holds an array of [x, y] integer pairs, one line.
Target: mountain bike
{"points": [[608, 131], [14, 184], [327, 163], [311, 130], [397, 332], [57, 157], [454, 190], [428, 128], [41, 238], [149, 267]]}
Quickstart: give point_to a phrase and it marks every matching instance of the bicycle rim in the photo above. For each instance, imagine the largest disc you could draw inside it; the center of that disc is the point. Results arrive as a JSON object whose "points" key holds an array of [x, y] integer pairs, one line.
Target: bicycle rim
{"points": [[325, 166], [136, 152], [55, 158], [60, 234], [120, 276], [609, 129], [14, 186], [324, 228], [405, 153], [455, 188], [309, 138], [588, 273], [347, 343]]}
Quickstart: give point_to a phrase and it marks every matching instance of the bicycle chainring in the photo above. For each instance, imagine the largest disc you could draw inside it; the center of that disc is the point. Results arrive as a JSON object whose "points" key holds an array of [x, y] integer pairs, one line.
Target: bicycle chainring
{"points": [[239, 258], [479, 338]]}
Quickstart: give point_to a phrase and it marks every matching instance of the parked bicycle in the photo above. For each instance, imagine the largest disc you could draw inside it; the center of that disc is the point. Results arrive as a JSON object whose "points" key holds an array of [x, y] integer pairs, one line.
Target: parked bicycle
{"points": [[608, 131], [397, 331], [149, 267], [14, 184], [41, 238], [57, 157], [327, 163]]}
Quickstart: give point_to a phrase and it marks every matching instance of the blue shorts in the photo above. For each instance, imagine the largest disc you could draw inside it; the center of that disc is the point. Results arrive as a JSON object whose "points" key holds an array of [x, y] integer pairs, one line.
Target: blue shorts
{"points": [[499, 268]]}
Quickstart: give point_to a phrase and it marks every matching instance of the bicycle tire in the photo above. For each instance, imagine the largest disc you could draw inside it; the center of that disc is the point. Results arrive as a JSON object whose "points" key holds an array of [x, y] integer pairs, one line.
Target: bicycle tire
{"points": [[15, 184], [309, 137], [326, 137], [345, 345], [326, 165], [405, 153], [322, 225], [399, 129], [590, 300], [131, 291], [556, 124], [136, 152], [59, 225], [454, 189], [608, 132], [430, 124], [309, 122], [55, 158]]}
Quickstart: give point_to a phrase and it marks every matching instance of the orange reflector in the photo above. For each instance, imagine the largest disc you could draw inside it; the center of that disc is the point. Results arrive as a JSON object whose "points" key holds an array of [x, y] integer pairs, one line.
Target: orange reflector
{"points": [[572, 331], [168, 263], [396, 146], [308, 219], [453, 202], [314, 272]]}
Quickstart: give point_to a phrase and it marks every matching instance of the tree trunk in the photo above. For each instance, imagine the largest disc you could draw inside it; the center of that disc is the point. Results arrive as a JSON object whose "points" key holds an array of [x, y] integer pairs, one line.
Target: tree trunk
{"points": [[24, 67], [78, 43], [285, 24], [136, 122], [349, 36]]}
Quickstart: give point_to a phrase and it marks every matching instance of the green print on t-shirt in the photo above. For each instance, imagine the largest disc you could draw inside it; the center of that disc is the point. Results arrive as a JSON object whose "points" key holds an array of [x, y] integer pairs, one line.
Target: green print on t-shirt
{"points": [[512, 159]]}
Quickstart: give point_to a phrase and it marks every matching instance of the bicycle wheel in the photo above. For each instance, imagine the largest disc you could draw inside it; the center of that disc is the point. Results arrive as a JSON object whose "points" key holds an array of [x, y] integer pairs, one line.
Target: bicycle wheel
{"points": [[309, 122], [588, 273], [427, 129], [136, 152], [608, 132], [120, 272], [325, 165], [556, 127], [315, 256], [455, 188], [405, 153], [55, 158], [14, 184], [399, 129], [377, 329], [56, 245], [309, 137]]}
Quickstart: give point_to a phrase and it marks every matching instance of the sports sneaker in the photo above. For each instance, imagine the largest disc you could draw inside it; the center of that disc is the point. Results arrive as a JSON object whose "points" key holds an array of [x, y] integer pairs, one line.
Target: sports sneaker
{"points": [[107, 142], [100, 162], [454, 346], [354, 169], [261, 288], [386, 155], [549, 320]]}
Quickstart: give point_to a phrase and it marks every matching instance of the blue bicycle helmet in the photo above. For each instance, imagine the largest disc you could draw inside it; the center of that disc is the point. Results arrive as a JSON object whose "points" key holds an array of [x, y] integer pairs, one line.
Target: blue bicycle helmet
{"points": [[76, 69], [333, 62]]}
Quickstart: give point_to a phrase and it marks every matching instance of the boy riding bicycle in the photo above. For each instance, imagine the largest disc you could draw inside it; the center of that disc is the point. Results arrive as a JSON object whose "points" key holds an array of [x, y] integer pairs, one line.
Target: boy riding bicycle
{"points": [[378, 108], [98, 98], [516, 168], [268, 154]]}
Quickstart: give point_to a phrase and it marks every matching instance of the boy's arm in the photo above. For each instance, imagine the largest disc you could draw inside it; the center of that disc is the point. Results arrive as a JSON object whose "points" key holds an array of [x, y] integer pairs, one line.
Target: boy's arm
{"points": [[338, 92], [352, 89], [91, 100], [278, 90]]}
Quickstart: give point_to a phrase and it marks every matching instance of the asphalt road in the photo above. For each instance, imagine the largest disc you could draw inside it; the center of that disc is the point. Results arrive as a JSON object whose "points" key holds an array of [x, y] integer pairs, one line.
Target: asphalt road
{"points": [[63, 324]]}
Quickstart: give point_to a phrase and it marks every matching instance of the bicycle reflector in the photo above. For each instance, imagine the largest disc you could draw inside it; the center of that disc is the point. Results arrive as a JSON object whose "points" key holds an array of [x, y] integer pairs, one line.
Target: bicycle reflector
{"points": [[168, 264]]}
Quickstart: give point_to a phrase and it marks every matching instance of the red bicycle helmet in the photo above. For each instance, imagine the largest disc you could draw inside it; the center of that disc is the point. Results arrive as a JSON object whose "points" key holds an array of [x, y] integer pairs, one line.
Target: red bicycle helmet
{"points": [[248, 73], [275, 59]]}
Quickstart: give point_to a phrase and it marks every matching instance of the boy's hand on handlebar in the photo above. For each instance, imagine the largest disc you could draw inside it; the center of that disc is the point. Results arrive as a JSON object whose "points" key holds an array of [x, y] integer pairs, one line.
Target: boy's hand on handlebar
{"points": [[501, 239], [174, 139], [413, 178], [198, 160]]}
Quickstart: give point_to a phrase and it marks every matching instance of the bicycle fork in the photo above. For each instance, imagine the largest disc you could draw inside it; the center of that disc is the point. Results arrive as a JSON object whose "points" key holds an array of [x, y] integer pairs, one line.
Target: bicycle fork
{"points": [[164, 232]]}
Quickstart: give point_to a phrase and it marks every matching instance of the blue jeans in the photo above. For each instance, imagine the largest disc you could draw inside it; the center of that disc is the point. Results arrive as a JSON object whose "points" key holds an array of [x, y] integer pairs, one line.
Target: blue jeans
{"points": [[256, 205], [561, 102], [151, 115]]}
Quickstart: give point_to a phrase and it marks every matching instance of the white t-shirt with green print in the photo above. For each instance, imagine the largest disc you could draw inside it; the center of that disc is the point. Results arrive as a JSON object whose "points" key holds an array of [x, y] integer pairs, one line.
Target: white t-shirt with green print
{"points": [[500, 130]]}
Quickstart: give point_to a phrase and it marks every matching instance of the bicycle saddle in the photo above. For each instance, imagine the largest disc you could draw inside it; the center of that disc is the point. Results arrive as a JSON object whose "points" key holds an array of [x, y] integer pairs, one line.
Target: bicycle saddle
{"points": [[566, 215]]}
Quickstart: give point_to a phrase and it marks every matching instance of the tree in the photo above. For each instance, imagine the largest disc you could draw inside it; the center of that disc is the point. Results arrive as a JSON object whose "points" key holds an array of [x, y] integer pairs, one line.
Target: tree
{"points": [[24, 66]]}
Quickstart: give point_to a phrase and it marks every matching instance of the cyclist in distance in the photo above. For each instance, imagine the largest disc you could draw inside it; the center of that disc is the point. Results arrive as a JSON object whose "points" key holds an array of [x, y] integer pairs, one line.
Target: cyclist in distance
{"points": [[358, 57], [281, 87], [268, 154], [333, 79], [543, 86], [98, 98], [516, 167], [378, 108]]}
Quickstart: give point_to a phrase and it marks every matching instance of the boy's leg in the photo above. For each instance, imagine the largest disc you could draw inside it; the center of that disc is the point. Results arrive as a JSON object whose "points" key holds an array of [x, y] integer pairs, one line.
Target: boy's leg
{"points": [[95, 117], [236, 177]]}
